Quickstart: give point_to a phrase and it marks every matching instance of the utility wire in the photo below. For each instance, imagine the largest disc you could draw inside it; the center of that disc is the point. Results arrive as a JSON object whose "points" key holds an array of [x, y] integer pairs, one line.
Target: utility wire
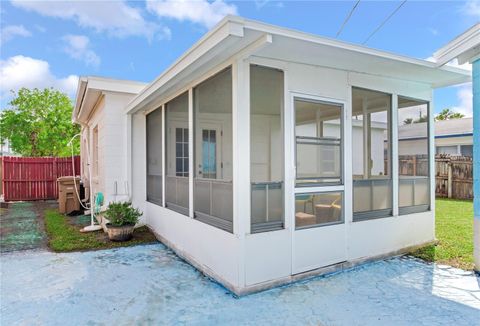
{"points": [[383, 23], [347, 18]]}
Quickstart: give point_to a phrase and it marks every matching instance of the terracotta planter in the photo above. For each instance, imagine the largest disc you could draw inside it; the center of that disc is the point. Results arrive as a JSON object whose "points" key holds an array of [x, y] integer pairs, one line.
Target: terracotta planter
{"points": [[120, 233]]}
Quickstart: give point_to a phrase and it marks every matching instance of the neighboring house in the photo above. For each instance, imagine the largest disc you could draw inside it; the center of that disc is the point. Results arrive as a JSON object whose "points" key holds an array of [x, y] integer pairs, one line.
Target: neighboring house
{"points": [[452, 137], [99, 111], [5, 149], [264, 155]]}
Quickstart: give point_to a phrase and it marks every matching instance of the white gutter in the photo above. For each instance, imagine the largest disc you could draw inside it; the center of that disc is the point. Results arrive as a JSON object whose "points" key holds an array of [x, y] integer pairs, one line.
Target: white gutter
{"points": [[463, 47]]}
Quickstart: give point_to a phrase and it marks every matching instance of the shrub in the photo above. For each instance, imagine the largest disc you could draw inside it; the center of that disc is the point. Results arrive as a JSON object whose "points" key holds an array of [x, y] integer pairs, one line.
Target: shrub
{"points": [[122, 213]]}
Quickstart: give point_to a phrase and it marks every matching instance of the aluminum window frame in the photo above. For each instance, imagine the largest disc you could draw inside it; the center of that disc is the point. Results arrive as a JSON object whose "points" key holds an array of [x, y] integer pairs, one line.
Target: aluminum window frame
{"points": [[376, 213], [274, 225], [319, 100], [412, 209]]}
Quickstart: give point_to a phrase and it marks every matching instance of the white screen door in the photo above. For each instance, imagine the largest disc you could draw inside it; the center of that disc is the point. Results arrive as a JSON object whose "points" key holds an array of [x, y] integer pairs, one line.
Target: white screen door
{"points": [[319, 235]]}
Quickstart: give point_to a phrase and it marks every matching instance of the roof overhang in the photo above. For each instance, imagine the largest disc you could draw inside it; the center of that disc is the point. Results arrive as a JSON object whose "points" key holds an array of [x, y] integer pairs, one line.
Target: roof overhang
{"points": [[90, 89], [236, 36], [465, 48]]}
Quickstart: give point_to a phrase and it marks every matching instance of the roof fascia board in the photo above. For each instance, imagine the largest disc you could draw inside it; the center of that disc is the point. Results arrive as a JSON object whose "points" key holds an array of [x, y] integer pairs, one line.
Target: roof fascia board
{"points": [[115, 86], [82, 111], [462, 43], [227, 27], [81, 89]]}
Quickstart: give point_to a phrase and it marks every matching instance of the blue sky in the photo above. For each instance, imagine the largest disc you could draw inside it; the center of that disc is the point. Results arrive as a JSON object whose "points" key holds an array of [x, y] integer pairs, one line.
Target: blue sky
{"points": [[47, 43]]}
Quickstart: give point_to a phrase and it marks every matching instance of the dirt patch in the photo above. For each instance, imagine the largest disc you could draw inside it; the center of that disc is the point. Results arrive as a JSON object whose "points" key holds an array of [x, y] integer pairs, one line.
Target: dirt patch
{"points": [[22, 226]]}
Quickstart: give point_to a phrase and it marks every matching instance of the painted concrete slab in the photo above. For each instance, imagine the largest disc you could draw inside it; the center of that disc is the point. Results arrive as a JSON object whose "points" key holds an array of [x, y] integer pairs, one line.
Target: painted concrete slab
{"points": [[22, 225], [151, 285]]}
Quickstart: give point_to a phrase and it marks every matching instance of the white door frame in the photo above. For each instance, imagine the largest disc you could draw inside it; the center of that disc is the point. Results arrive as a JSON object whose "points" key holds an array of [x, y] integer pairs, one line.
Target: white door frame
{"points": [[307, 234]]}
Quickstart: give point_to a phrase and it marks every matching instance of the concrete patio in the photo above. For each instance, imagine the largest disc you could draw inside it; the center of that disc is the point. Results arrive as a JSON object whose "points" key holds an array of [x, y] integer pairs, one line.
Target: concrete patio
{"points": [[151, 285]]}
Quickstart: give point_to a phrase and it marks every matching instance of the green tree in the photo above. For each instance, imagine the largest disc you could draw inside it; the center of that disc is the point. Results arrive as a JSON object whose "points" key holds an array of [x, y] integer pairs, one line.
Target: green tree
{"points": [[448, 114], [38, 123]]}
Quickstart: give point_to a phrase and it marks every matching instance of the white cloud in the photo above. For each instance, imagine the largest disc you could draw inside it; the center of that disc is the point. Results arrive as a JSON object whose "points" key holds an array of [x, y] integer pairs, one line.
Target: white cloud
{"points": [[21, 71], [259, 4], [78, 47], [11, 31], [434, 31], [472, 8], [114, 17], [465, 100], [198, 11]]}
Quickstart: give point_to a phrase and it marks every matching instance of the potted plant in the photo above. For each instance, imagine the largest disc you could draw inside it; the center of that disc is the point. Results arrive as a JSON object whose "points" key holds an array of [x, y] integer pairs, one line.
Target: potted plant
{"points": [[122, 218]]}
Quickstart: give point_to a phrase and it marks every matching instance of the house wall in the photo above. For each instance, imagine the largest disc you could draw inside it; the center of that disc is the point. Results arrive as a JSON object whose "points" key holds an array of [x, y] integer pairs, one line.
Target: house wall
{"points": [[114, 134], [276, 255], [243, 259], [96, 120], [413, 146], [111, 177]]}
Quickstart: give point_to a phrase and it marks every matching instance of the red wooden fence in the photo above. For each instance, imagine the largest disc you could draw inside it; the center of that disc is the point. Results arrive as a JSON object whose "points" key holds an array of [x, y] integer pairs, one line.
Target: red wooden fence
{"points": [[35, 178]]}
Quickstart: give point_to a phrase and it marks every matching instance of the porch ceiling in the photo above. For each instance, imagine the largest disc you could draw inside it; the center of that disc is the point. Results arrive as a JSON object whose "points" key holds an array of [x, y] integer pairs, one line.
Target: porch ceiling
{"points": [[350, 59]]}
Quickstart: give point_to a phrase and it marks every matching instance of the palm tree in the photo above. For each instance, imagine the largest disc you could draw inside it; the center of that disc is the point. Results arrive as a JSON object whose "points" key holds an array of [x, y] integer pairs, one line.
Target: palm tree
{"points": [[448, 114]]}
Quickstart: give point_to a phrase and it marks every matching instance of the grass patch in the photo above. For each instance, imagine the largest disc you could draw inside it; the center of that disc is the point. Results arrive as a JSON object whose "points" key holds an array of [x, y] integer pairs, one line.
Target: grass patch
{"points": [[64, 237], [454, 231]]}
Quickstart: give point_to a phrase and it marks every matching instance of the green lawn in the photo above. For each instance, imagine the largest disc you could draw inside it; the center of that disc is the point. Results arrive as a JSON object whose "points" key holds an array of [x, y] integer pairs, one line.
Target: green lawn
{"points": [[454, 231], [64, 236]]}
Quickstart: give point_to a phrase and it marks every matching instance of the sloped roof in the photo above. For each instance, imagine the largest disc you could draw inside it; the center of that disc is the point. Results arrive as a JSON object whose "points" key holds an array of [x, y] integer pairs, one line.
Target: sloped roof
{"points": [[234, 35], [445, 128]]}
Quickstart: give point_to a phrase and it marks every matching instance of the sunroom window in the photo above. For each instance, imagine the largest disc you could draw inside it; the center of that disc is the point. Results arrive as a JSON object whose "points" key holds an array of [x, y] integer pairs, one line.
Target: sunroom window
{"points": [[266, 148], [176, 154], [413, 156], [371, 154], [318, 130], [154, 157], [213, 193]]}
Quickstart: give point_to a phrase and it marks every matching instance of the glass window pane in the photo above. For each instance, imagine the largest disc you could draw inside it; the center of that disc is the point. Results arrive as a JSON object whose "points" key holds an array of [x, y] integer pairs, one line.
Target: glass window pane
{"points": [[266, 148], [213, 151], [176, 190], [318, 130], [413, 153], [154, 156], [466, 150], [371, 153], [314, 209]]}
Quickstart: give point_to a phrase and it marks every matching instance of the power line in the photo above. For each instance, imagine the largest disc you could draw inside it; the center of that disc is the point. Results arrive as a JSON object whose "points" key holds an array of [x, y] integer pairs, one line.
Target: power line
{"points": [[383, 23], [347, 18]]}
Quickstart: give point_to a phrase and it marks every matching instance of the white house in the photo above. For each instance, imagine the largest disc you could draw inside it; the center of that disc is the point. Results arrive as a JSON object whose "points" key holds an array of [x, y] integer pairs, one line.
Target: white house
{"points": [[454, 137], [99, 111], [264, 155]]}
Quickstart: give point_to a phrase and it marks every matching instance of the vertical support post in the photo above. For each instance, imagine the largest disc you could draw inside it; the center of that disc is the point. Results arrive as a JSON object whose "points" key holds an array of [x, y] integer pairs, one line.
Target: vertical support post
{"points": [[191, 157], [394, 154], [164, 170], [476, 163], [241, 158], [366, 161]]}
